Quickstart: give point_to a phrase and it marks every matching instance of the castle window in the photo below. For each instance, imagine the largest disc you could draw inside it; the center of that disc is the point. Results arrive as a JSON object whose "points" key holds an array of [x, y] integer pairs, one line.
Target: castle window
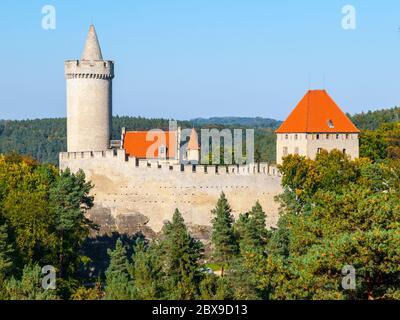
{"points": [[337, 136], [344, 151], [327, 137], [317, 136], [285, 151], [319, 150], [287, 137], [330, 124], [347, 136], [296, 137]]}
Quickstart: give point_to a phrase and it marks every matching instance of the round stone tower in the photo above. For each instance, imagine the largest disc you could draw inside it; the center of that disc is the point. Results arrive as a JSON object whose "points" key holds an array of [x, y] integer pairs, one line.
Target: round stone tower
{"points": [[89, 99]]}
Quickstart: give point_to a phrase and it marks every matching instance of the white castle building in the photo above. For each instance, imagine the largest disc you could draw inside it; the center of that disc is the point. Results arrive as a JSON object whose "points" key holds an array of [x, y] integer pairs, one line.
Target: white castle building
{"points": [[137, 190]]}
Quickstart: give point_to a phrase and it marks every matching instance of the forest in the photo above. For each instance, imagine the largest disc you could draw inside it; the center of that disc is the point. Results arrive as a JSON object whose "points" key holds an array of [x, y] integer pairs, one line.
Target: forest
{"points": [[335, 213]]}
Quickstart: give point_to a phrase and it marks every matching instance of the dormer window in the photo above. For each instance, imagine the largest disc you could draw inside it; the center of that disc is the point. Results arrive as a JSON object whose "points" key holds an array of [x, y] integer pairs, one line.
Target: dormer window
{"points": [[330, 124]]}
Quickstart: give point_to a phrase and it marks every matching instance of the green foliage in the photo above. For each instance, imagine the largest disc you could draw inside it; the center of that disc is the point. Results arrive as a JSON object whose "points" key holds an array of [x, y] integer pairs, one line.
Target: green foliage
{"points": [[353, 219], [29, 287], [372, 120], [6, 251], [118, 282], [223, 239], [83, 293], [181, 255], [69, 201], [147, 272], [251, 229], [382, 143], [44, 211], [257, 122]]}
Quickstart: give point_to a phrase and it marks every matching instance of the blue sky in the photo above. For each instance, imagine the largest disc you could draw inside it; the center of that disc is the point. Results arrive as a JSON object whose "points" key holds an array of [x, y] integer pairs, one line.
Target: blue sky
{"points": [[200, 58]]}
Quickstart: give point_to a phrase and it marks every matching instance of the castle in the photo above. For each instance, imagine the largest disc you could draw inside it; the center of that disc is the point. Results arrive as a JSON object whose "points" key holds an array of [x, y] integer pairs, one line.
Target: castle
{"points": [[138, 190]]}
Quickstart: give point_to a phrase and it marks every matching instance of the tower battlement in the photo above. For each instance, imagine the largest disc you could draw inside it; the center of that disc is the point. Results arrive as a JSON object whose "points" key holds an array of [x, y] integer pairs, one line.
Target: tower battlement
{"points": [[83, 69]]}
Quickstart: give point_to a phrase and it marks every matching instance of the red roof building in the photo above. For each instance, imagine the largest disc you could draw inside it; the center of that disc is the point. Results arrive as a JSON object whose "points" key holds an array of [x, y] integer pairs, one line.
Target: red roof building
{"points": [[317, 123]]}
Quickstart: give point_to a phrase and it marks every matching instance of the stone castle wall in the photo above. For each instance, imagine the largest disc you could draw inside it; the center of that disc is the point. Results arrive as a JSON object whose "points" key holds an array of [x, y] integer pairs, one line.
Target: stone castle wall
{"points": [[134, 195]]}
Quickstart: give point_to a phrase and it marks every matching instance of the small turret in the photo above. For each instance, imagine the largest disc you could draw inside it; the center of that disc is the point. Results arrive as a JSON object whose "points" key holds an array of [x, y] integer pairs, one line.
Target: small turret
{"points": [[193, 149]]}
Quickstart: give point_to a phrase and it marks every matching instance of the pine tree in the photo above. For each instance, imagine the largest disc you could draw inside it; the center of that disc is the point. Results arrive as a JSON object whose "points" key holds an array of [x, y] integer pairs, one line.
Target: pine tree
{"points": [[181, 254], [223, 238], [251, 229], [69, 200], [118, 284], [146, 273]]}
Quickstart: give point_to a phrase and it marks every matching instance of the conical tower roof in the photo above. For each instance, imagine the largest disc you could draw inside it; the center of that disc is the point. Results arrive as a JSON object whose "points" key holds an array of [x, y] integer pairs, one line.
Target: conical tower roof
{"points": [[317, 113], [92, 49], [194, 141]]}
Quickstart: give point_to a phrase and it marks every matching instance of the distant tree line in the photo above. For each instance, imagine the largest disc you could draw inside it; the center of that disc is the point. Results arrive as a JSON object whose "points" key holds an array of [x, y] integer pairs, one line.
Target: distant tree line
{"points": [[372, 120]]}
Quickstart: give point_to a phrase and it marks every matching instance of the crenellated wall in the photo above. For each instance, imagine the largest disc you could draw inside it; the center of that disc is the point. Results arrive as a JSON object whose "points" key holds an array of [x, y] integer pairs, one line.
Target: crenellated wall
{"points": [[132, 194]]}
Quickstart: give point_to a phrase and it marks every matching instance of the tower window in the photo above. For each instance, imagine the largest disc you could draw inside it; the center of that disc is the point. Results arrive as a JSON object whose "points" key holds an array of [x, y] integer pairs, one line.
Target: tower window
{"points": [[319, 150], [286, 136], [337, 136], [317, 136], [296, 136], [344, 151]]}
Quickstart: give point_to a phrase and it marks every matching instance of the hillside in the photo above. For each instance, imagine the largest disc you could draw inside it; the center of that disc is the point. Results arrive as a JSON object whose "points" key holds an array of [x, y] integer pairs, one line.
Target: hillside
{"points": [[257, 122], [372, 120]]}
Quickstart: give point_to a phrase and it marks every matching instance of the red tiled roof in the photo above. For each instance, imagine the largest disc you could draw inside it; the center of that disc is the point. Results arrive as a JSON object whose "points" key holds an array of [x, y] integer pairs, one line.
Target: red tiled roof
{"points": [[145, 144], [317, 112]]}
